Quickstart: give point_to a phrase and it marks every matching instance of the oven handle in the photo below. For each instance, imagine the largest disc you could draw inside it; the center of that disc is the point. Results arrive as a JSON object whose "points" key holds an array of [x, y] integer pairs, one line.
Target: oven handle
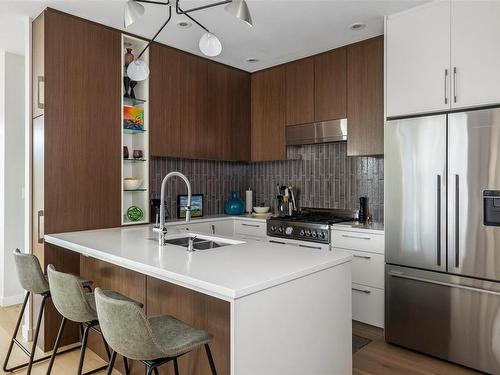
{"points": [[310, 247], [278, 242]]}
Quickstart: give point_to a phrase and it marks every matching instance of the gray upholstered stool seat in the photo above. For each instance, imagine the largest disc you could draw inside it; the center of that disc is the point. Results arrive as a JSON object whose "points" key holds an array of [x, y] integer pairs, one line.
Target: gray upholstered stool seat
{"points": [[33, 281], [153, 341], [77, 305], [175, 337]]}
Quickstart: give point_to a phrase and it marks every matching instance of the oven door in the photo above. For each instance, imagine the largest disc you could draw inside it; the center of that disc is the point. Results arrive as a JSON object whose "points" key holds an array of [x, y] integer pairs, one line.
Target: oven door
{"points": [[303, 244]]}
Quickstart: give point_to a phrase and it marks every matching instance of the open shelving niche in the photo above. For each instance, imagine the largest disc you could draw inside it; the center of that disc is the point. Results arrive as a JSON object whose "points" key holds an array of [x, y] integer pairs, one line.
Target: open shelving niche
{"points": [[135, 139]]}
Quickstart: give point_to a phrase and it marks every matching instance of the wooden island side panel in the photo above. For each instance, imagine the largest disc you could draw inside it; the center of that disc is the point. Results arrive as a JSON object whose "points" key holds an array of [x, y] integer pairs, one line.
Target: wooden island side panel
{"points": [[161, 297]]}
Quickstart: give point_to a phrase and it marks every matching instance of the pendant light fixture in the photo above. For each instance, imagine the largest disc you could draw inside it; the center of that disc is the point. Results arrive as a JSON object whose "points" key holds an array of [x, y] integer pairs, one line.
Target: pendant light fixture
{"points": [[239, 9], [209, 44]]}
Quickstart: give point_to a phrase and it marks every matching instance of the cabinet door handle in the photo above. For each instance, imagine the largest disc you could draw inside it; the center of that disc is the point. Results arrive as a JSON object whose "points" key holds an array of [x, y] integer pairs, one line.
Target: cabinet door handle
{"points": [[357, 237], [40, 80], [362, 256], [454, 84], [213, 229], [250, 225], [40, 235], [362, 290], [446, 86]]}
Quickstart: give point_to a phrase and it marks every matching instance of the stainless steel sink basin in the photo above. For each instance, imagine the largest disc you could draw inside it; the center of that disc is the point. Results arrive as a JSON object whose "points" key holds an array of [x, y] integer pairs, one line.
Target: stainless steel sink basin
{"points": [[198, 243]]}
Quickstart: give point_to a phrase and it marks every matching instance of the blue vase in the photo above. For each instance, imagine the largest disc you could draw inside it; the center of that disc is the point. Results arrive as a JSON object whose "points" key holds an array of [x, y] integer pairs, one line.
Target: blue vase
{"points": [[234, 206]]}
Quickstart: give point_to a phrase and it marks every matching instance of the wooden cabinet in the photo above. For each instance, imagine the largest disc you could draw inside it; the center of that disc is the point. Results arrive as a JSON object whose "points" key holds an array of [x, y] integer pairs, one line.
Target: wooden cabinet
{"points": [[418, 60], [365, 100], [330, 85], [199, 109], [80, 132], [165, 104], [268, 115], [228, 112], [475, 56], [299, 91]]}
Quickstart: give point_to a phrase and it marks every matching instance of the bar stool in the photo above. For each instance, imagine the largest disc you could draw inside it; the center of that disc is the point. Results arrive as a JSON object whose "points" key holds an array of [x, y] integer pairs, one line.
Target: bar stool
{"points": [[33, 281], [76, 305], [153, 341]]}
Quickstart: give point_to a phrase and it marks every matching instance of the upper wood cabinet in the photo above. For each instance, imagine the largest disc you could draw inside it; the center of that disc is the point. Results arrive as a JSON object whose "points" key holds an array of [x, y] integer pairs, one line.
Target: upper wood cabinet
{"points": [[450, 63], [330, 85], [299, 92], [365, 100], [228, 112], [268, 115], [165, 104], [199, 109]]}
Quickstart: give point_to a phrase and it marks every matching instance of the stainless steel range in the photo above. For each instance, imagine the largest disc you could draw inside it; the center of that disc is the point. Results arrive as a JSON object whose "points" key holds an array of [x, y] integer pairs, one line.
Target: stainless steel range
{"points": [[311, 224]]}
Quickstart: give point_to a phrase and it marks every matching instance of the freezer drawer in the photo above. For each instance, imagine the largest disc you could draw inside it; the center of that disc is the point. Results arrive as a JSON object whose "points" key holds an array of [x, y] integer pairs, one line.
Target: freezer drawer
{"points": [[450, 317]]}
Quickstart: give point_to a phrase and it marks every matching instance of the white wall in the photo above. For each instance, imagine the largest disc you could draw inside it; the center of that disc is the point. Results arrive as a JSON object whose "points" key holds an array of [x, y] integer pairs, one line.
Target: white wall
{"points": [[12, 172]]}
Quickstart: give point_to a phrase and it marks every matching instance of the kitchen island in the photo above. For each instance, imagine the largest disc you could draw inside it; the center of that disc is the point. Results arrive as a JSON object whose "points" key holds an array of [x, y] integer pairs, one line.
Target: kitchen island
{"points": [[273, 309]]}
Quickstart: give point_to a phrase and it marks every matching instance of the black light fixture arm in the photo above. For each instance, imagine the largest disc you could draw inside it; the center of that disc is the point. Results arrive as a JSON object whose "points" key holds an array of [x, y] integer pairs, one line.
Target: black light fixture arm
{"points": [[158, 32], [205, 6], [178, 10]]}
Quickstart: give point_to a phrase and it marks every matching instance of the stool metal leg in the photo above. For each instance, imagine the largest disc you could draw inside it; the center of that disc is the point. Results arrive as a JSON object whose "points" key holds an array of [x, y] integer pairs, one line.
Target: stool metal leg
{"points": [[111, 363], [176, 367], [56, 345], [37, 331], [14, 335], [125, 364], [84, 348], [210, 359]]}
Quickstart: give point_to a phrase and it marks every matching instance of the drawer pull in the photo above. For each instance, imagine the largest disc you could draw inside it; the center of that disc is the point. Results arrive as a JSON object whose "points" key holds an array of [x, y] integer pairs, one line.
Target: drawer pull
{"points": [[250, 225], [362, 256], [362, 290], [278, 242], [357, 237]]}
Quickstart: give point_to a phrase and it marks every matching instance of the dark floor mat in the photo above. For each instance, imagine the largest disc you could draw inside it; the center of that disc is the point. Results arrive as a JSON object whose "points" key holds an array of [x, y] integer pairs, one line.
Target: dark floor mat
{"points": [[358, 342]]}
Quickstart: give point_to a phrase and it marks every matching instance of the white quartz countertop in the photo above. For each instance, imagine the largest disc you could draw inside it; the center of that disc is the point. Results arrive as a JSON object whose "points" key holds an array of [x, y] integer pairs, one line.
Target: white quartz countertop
{"points": [[374, 227], [228, 272]]}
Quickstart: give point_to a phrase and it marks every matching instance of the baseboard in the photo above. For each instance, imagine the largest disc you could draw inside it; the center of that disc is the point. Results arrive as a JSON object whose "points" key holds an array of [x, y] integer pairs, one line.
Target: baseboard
{"points": [[11, 300], [27, 333]]}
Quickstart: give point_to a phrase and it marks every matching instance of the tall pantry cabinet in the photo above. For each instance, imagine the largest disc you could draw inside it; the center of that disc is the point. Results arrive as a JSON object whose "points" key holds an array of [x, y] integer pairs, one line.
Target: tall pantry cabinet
{"points": [[76, 137]]}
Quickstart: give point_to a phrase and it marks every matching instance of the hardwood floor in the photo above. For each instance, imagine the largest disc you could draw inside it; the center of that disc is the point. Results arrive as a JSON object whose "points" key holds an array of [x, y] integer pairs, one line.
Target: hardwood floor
{"points": [[376, 358], [380, 358]]}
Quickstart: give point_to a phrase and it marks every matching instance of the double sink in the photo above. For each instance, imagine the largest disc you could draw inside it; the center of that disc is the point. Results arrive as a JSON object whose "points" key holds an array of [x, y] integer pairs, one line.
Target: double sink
{"points": [[198, 243]]}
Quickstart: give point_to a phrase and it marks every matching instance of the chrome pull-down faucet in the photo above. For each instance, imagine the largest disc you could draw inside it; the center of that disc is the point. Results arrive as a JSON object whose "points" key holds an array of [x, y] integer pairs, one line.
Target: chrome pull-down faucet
{"points": [[162, 229]]}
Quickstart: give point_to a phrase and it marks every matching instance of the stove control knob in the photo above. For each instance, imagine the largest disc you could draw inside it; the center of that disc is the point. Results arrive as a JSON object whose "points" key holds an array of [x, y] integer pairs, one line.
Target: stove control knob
{"points": [[280, 229], [288, 231], [273, 228], [301, 233], [314, 234], [308, 233], [322, 235]]}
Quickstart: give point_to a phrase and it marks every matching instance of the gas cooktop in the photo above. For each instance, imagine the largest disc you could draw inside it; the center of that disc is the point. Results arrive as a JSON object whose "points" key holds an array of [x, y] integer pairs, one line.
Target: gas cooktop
{"points": [[311, 224]]}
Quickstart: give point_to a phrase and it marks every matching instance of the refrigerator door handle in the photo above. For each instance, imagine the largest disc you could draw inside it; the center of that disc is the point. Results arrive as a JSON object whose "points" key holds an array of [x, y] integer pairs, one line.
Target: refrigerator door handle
{"points": [[438, 221], [458, 286], [457, 221]]}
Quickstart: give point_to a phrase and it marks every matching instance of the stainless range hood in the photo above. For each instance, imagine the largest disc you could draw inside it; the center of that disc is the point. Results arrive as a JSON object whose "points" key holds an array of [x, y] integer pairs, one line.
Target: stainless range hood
{"points": [[317, 132]]}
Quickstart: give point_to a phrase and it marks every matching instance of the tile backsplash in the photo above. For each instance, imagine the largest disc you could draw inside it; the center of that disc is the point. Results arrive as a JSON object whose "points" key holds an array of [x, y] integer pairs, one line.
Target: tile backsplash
{"points": [[323, 175]]}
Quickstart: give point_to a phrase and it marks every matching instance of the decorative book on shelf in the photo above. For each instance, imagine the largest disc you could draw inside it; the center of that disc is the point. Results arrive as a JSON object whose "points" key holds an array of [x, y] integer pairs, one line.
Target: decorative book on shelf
{"points": [[133, 118]]}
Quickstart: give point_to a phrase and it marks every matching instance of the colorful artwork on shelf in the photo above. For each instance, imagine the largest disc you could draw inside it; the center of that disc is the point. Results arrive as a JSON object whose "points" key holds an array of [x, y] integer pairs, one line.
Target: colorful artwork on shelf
{"points": [[133, 118]]}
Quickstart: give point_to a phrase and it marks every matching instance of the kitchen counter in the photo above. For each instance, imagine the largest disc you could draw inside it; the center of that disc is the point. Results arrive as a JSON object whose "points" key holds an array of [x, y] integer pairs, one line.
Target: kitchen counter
{"points": [[272, 308], [246, 217], [227, 272]]}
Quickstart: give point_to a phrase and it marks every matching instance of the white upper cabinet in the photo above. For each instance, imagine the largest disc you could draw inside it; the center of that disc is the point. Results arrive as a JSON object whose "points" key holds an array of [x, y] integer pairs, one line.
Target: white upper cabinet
{"points": [[475, 53], [418, 60], [443, 55]]}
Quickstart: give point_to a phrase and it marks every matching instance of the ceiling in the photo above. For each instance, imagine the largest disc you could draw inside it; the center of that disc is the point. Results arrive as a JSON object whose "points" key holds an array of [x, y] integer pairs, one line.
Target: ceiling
{"points": [[284, 30]]}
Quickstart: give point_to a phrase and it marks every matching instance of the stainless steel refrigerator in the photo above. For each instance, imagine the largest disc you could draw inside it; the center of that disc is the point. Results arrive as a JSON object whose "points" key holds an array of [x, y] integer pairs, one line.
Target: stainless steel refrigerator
{"points": [[442, 220]]}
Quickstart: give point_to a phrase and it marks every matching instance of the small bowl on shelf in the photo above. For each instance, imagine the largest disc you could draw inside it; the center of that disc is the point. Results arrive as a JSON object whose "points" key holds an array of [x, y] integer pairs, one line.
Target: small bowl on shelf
{"points": [[261, 210], [132, 183]]}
